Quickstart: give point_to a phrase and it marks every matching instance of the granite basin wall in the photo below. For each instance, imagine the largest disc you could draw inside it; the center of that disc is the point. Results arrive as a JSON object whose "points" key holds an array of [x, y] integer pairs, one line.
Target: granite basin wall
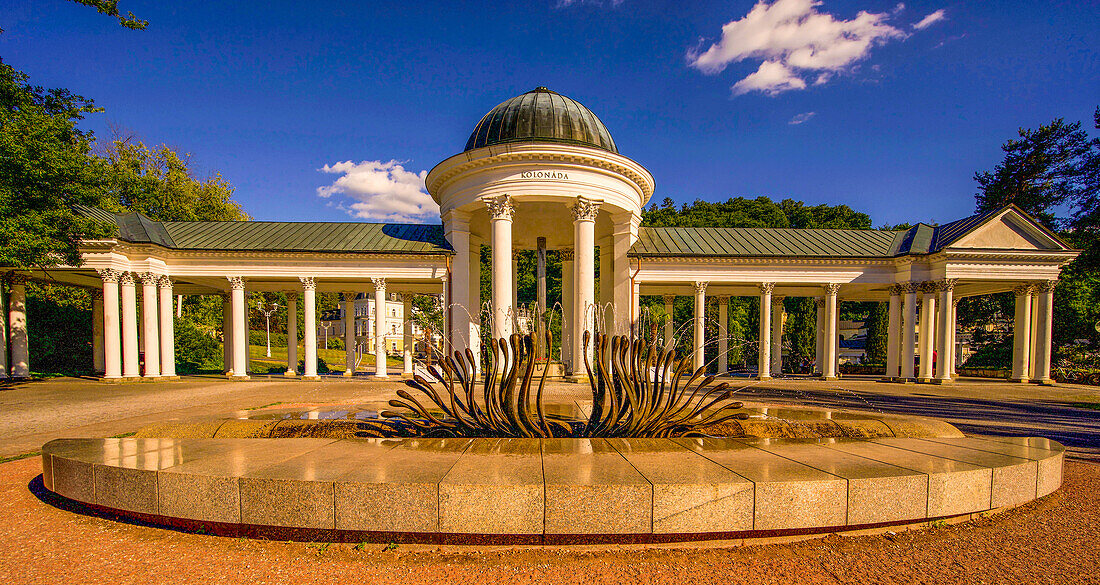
{"points": [[582, 488]]}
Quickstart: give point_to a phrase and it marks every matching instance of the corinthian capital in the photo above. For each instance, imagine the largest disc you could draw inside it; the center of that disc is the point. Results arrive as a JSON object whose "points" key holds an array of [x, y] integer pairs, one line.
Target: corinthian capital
{"points": [[700, 288], [832, 289], [236, 282], [500, 207], [379, 283], [307, 282], [150, 279], [566, 254], [767, 288], [947, 284], [1046, 286], [585, 209], [109, 274]]}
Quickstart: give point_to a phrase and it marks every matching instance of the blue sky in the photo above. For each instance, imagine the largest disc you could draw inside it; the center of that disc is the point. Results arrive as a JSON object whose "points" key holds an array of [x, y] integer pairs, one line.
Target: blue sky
{"points": [[895, 117]]}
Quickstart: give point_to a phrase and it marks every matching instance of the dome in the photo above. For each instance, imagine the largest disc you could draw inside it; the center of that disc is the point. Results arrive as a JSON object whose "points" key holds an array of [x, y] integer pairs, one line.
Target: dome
{"points": [[541, 115]]}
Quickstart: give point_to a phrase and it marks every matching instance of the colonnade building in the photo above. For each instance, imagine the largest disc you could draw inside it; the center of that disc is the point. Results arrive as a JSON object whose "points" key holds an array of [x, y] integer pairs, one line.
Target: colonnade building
{"points": [[541, 172]]}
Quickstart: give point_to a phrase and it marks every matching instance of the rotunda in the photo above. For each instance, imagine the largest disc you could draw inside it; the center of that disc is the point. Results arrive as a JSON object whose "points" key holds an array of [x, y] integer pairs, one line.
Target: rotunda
{"points": [[541, 172]]}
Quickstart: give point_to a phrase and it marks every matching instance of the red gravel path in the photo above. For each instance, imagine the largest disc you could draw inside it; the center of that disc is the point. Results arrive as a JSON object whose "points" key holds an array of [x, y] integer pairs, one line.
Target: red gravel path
{"points": [[1055, 540]]}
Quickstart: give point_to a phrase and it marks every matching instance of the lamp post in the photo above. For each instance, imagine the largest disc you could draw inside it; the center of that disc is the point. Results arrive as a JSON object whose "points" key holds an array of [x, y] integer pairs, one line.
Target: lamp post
{"points": [[267, 314]]}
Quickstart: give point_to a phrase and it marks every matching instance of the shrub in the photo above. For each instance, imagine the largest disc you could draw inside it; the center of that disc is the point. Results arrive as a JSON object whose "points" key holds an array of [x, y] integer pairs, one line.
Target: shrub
{"points": [[60, 337], [996, 355], [322, 367], [196, 350]]}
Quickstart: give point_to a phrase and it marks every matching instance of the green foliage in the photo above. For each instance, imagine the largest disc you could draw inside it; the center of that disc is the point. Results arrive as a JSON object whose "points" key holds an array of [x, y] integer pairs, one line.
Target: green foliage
{"points": [[110, 8], [60, 337], [196, 349], [45, 167], [161, 184], [759, 212], [801, 330], [260, 338], [322, 366], [995, 355], [878, 324]]}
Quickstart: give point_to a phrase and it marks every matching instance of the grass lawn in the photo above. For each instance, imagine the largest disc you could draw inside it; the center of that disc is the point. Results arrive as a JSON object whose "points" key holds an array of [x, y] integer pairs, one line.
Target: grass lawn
{"points": [[335, 358]]}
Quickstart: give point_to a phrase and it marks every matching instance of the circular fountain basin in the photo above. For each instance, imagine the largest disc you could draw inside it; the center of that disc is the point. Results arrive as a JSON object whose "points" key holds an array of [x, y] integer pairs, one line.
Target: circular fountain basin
{"points": [[547, 490]]}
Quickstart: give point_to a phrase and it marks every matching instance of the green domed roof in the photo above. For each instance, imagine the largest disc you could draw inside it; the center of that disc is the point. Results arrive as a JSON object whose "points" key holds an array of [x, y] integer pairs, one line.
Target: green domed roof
{"points": [[541, 115]]}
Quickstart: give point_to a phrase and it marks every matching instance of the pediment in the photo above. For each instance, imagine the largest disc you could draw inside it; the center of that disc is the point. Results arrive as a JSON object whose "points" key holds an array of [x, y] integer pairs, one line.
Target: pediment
{"points": [[1009, 230]]}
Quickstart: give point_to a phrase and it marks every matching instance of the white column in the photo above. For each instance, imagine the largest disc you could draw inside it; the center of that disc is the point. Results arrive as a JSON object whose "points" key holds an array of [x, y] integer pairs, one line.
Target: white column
{"points": [[150, 317], [3, 333], [670, 322], [584, 244], [909, 331], [227, 335], [819, 350], [1033, 341], [946, 326], [407, 329], [112, 343], [1044, 336], [179, 305], [777, 335], [309, 327], [829, 338], [634, 326], [349, 332], [567, 299], [167, 329], [723, 334], [699, 347], [500, 219], [893, 334], [927, 330], [97, 332], [463, 308], [448, 326], [473, 287], [622, 293], [515, 282], [1021, 334], [379, 327], [240, 333], [291, 334], [17, 322], [954, 335], [130, 362], [764, 361]]}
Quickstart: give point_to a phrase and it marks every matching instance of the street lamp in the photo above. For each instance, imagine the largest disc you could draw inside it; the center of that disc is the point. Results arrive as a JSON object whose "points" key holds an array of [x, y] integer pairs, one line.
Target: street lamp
{"points": [[267, 314]]}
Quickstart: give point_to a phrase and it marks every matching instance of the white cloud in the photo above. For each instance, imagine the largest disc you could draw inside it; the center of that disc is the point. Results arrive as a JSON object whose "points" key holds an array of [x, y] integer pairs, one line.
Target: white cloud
{"points": [[800, 118], [382, 191], [771, 78], [931, 19], [791, 37]]}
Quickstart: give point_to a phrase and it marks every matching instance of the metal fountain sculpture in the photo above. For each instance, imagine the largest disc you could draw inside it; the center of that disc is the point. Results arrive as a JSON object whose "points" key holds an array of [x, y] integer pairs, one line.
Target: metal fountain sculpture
{"points": [[638, 390]]}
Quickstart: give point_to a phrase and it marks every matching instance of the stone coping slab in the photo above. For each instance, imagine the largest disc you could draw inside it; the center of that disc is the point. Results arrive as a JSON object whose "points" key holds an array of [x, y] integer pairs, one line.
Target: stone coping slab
{"points": [[580, 489]]}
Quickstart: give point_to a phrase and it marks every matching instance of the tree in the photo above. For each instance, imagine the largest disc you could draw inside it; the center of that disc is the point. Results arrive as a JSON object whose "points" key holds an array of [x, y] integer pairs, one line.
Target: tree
{"points": [[161, 184], [1054, 165], [110, 8], [46, 166], [877, 333]]}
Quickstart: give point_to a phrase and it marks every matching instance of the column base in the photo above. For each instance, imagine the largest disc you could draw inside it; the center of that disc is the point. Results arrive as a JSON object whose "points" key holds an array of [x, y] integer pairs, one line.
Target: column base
{"points": [[311, 378], [348, 373], [1045, 382], [762, 378], [381, 376], [239, 378], [925, 380], [577, 378], [290, 374], [1020, 380], [942, 381], [830, 378]]}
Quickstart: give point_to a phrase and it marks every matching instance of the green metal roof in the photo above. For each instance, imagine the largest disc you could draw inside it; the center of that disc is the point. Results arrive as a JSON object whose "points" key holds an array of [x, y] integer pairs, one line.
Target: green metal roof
{"points": [[728, 242], [357, 237]]}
